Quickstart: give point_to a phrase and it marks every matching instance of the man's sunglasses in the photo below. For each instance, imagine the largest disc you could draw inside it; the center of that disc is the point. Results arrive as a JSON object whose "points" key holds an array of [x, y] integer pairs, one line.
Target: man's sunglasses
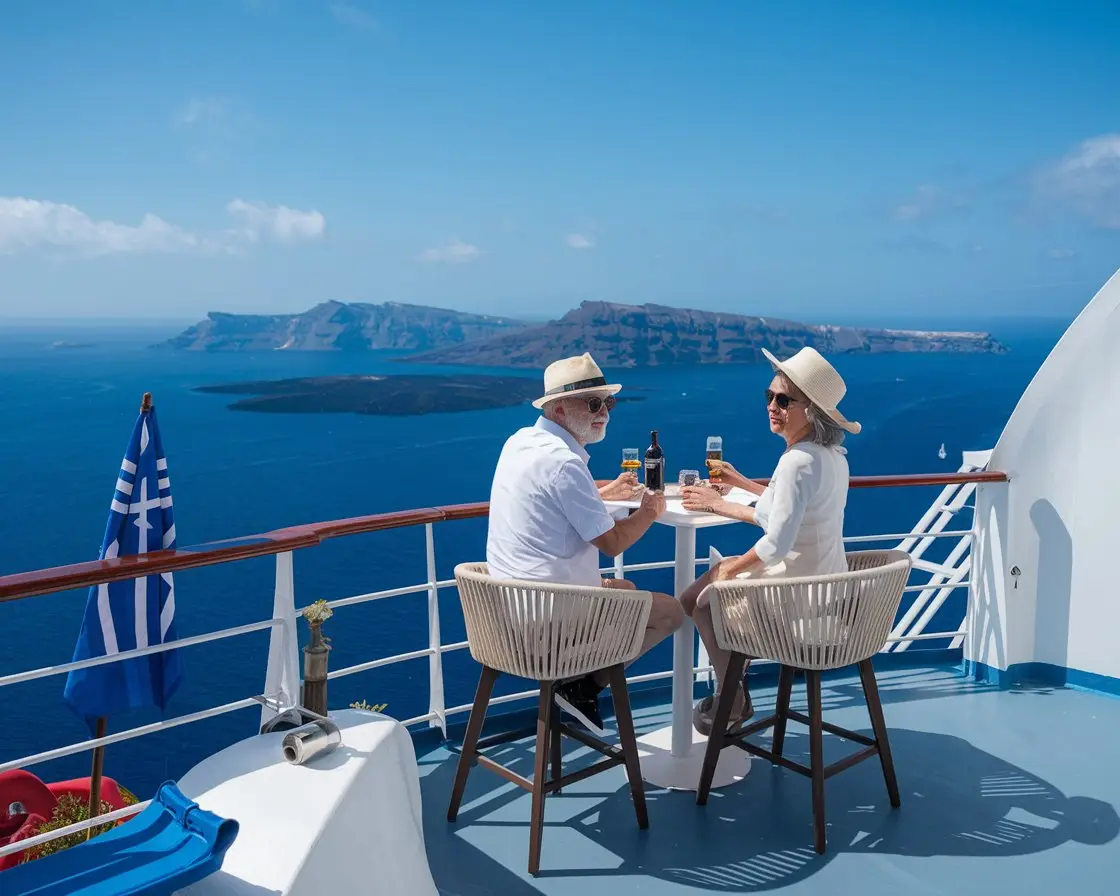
{"points": [[783, 401], [596, 403]]}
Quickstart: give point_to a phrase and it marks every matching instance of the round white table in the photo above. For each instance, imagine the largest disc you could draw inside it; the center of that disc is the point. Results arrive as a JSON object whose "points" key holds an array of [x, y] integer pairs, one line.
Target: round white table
{"points": [[673, 756]]}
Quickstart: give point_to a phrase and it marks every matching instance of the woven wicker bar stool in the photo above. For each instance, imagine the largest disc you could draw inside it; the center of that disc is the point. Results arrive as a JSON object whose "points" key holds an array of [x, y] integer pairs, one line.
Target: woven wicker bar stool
{"points": [[809, 624], [549, 633]]}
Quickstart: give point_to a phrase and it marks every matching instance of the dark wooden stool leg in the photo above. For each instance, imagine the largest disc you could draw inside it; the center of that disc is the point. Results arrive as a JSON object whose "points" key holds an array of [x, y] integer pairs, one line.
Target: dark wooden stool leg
{"points": [[781, 707], [816, 755], [470, 739], [879, 726], [540, 770], [629, 743], [556, 749], [727, 693]]}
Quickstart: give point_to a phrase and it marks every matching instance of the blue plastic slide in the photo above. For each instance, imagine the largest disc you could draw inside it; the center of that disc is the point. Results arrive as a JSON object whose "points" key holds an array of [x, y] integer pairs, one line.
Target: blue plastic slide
{"points": [[171, 844]]}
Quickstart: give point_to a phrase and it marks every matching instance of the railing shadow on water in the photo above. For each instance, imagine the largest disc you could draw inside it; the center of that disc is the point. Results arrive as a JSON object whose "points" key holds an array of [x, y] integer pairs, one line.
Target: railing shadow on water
{"points": [[957, 801]]}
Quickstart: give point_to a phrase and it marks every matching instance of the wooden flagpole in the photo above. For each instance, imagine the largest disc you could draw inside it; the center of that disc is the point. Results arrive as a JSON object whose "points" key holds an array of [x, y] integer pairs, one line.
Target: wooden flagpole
{"points": [[95, 775], [99, 751]]}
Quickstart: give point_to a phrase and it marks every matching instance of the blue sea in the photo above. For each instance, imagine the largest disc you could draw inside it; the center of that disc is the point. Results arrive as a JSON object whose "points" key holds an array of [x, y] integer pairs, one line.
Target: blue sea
{"points": [[66, 415]]}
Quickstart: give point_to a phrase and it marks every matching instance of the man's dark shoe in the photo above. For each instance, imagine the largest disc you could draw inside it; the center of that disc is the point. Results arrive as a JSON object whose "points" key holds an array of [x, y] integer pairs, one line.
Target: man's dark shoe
{"points": [[580, 700]]}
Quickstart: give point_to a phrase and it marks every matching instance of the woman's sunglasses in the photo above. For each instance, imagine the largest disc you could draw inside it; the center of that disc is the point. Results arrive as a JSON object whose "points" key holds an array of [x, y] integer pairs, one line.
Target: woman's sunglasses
{"points": [[783, 401], [597, 403]]}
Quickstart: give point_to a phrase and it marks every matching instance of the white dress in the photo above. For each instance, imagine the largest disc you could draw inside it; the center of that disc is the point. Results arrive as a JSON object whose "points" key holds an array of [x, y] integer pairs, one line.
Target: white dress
{"points": [[801, 514]]}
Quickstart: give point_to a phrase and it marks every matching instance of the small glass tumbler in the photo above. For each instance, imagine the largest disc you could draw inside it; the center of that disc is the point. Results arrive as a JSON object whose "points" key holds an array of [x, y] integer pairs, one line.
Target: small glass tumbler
{"points": [[688, 478]]}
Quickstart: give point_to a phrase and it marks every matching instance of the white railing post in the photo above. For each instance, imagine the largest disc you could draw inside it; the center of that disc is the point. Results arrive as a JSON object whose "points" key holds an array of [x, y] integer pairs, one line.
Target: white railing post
{"points": [[436, 707], [973, 555], [281, 682]]}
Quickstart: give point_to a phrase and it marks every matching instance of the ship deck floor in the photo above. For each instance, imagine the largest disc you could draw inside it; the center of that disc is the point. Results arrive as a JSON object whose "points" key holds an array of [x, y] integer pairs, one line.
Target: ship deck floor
{"points": [[1009, 791]]}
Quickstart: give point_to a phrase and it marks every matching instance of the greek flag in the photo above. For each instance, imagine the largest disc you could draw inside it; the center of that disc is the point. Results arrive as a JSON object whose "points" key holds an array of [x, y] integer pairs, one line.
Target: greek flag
{"points": [[134, 613]]}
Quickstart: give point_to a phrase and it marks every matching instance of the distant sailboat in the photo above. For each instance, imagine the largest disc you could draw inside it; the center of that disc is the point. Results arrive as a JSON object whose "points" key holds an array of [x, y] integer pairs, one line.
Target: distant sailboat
{"points": [[941, 451]]}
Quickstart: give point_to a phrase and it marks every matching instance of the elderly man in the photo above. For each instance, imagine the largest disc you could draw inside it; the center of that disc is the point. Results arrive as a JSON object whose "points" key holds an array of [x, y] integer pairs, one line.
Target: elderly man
{"points": [[547, 517]]}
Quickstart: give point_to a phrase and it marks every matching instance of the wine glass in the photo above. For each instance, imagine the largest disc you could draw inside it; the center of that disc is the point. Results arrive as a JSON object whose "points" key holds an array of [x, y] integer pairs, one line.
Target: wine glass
{"points": [[688, 478], [630, 462]]}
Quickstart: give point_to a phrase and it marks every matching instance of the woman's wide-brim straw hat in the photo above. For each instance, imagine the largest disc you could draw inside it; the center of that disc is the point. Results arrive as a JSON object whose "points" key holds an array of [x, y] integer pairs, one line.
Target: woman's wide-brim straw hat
{"points": [[574, 376], [818, 380]]}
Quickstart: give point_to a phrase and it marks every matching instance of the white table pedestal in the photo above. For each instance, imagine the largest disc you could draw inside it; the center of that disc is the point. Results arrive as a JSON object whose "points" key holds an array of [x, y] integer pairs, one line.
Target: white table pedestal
{"points": [[673, 756], [664, 769]]}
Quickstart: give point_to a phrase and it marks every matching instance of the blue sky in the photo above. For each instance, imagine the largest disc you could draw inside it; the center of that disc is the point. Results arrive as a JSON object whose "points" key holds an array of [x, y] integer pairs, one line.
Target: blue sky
{"points": [[821, 161]]}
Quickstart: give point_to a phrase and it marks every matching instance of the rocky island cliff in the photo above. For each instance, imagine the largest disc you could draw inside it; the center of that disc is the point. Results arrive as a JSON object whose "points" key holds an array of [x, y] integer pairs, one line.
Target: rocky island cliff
{"points": [[384, 395], [651, 335], [617, 335], [341, 326]]}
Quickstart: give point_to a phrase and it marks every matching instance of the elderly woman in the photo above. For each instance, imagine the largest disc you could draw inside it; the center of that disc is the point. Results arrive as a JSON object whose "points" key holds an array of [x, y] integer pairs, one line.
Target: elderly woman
{"points": [[801, 511]]}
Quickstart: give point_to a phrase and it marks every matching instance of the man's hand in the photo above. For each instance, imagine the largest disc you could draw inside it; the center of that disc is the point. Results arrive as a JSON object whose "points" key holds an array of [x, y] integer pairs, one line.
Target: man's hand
{"points": [[624, 488], [653, 503], [702, 497]]}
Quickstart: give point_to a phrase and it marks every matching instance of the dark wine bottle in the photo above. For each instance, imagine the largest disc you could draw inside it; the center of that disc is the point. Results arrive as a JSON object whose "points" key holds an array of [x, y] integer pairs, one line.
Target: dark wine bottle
{"points": [[654, 465]]}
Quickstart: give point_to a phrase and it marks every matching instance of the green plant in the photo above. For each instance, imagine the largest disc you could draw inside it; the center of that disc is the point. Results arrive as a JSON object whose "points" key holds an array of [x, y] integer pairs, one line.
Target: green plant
{"points": [[361, 704], [71, 810], [317, 612]]}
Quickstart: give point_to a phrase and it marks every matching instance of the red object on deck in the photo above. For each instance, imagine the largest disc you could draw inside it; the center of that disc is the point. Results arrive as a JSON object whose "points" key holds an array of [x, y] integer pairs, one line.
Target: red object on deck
{"points": [[39, 800]]}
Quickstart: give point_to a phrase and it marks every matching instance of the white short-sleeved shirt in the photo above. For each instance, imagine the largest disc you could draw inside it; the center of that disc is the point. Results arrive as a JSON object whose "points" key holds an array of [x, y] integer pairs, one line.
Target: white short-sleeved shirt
{"points": [[802, 512], [545, 510]]}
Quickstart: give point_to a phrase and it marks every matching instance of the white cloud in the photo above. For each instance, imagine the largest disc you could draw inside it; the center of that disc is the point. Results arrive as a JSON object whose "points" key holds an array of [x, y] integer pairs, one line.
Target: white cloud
{"points": [[33, 223], [579, 241], [212, 127], [201, 111], [928, 200], [1062, 254], [284, 224], [1087, 180], [354, 16], [456, 251], [29, 224]]}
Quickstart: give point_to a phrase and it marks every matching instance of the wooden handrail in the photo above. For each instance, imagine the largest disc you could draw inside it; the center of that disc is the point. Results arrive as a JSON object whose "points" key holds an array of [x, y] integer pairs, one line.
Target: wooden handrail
{"points": [[278, 541]]}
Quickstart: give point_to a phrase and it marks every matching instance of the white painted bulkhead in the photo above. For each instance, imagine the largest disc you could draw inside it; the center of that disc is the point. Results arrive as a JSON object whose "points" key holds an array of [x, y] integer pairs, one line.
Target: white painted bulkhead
{"points": [[1057, 522]]}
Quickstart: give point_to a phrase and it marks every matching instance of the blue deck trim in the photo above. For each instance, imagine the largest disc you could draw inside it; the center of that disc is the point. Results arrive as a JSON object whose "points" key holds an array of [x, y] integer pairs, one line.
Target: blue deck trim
{"points": [[1046, 675], [646, 694]]}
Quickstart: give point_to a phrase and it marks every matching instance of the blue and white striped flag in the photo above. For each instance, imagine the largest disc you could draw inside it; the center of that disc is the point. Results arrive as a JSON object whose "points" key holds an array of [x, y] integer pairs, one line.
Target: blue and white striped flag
{"points": [[133, 613]]}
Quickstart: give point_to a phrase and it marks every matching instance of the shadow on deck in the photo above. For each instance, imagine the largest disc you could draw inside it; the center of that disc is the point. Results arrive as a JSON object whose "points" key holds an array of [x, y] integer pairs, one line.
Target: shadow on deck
{"points": [[983, 774]]}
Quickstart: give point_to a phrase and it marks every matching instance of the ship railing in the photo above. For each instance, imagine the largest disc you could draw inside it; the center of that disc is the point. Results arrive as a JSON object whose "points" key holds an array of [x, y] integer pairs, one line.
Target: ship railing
{"points": [[282, 681]]}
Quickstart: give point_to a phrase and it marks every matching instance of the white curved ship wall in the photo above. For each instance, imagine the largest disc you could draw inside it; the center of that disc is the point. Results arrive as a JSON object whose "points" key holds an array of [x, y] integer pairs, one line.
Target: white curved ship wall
{"points": [[346, 822], [1056, 522]]}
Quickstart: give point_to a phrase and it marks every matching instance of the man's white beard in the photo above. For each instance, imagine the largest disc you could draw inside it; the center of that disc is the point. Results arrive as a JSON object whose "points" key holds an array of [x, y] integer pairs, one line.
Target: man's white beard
{"points": [[589, 434]]}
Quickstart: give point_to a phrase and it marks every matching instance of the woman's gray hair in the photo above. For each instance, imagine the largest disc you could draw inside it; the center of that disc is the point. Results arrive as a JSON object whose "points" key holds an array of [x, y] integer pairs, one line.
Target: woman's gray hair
{"points": [[825, 431]]}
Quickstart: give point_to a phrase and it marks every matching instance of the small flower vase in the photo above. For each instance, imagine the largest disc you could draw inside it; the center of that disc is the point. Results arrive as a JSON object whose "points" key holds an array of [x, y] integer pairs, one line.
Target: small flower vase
{"points": [[315, 659]]}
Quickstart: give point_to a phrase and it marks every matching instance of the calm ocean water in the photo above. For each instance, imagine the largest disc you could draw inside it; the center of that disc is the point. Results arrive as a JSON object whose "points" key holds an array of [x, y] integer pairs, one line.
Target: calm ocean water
{"points": [[66, 414]]}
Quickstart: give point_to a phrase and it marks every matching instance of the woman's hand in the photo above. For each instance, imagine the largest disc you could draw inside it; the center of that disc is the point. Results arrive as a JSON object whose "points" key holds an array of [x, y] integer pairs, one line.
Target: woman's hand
{"points": [[727, 568], [730, 477], [730, 567], [703, 498]]}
